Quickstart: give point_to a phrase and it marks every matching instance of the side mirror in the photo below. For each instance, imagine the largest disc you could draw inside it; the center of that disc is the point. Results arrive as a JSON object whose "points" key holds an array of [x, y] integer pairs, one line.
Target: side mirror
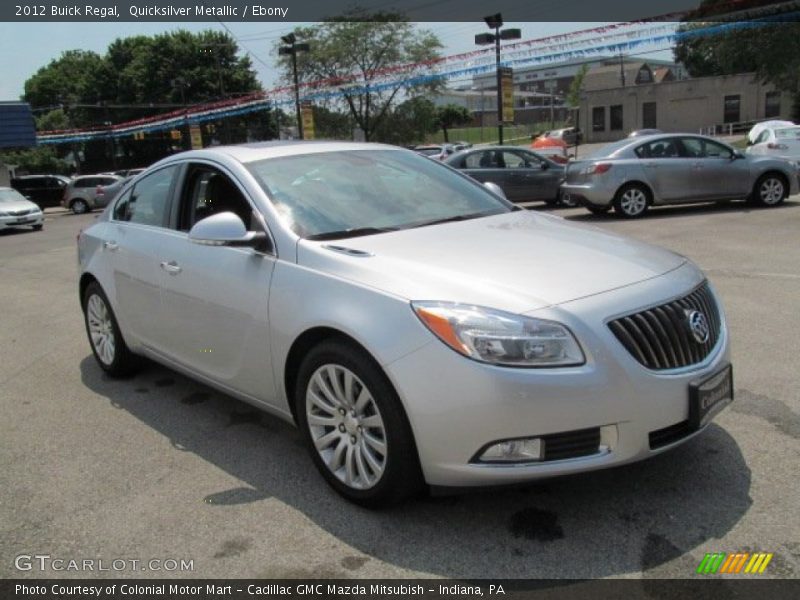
{"points": [[495, 189], [544, 166], [225, 229], [737, 155]]}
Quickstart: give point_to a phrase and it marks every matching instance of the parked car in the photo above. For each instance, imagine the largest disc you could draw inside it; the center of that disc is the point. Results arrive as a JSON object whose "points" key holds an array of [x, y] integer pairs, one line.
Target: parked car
{"points": [[444, 337], [553, 148], [128, 172], [756, 130], [438, 152], [44, 190], [17, 211], [569, 135], [106, 193], [633, 174], [643, 132], [521, 174], [779, 142], [84, 193]]}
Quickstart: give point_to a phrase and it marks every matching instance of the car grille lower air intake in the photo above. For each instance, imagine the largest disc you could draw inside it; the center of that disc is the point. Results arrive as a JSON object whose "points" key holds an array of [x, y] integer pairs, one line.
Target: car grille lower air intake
{"points": [[673, 335]]}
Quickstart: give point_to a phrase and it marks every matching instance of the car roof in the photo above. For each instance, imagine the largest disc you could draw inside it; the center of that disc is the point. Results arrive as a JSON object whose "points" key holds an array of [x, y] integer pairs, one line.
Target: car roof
{"points": [[245, 153]]}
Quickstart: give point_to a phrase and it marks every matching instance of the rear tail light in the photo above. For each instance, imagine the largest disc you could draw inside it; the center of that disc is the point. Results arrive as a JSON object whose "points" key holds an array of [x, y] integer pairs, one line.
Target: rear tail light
{"points": [[99, 191], [772, 146], [601, 168]]}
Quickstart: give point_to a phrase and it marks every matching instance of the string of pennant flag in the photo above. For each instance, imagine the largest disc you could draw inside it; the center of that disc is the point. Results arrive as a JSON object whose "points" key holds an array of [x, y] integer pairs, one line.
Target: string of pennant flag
{"points": [[612, 39]]}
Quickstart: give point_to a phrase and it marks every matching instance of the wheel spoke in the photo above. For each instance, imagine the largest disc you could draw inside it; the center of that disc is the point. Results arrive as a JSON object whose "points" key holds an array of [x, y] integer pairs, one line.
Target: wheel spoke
{"points": [[350, 471], [323, 387], [338, 455], [321, 403], [326, 440], [379, 445], [372, 461], [373, 421], [361, 467], [333, 377], [321, 421], [364, 398]]}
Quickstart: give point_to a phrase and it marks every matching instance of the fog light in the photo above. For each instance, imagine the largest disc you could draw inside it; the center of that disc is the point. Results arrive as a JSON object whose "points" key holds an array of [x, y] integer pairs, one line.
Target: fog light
{"points": [[525, 450]]}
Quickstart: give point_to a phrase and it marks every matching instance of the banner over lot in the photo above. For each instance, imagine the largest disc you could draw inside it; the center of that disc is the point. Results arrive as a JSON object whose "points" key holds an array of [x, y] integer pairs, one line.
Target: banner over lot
{"points": [[185, 11]]}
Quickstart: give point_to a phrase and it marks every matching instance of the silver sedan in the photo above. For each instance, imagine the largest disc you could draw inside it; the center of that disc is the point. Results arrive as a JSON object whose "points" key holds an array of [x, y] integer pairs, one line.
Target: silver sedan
{"points": [[416, 326], [633, 174]]}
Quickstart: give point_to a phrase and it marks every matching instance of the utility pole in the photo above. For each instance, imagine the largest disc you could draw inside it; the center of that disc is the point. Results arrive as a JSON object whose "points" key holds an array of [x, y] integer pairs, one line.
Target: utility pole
{"points": [[621, 69], [293, 47], [482, 39]]}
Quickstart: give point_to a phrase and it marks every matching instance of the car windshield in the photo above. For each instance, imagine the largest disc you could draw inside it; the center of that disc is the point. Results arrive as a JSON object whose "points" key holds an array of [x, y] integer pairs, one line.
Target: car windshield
{"points": [[790, 133], [356, 192], [609, 149], [11, 196]]}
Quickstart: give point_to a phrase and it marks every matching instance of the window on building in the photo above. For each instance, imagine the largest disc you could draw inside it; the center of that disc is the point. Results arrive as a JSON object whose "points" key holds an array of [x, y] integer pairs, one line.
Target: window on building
{"points": [[772, 105], [615, 117], [599, 118], [732, 109], [649, 120]]}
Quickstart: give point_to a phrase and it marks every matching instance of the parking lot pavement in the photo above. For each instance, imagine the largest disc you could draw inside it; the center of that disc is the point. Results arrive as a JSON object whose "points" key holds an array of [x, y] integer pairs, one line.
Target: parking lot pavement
{"points": [[158, 466]]}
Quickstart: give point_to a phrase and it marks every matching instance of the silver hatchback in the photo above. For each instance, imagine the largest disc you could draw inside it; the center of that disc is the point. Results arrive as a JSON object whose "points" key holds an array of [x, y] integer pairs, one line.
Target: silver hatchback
{"points": [[636, 173], [416, 327]]}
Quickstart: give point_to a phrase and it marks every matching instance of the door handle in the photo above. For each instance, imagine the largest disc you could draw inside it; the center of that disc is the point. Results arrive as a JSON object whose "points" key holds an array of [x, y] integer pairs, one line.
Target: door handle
{"points": [[113, 246], [171, 267]]}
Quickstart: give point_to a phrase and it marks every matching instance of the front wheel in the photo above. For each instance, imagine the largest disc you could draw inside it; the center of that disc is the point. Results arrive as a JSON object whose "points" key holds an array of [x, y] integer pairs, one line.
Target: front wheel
{"points": [[355, 427], [108, 347], [632, 201], [37, 227], [769, 190]]}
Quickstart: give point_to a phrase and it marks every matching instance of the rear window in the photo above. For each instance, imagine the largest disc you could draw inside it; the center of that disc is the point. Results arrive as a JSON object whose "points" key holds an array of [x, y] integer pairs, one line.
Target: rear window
{"points": [[610, 149], [790, 133]]}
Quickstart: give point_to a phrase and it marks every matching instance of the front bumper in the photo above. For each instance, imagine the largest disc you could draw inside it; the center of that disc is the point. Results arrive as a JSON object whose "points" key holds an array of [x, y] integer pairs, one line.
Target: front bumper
{"points": [[21, 221], [457, 406]]}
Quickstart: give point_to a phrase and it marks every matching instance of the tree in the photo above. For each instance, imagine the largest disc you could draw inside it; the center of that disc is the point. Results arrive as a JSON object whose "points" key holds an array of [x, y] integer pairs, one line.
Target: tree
{"points": [[575, 88], [771, 50], [408, 123], [52, 120], [452, 115], [39, 159], [352, 55]]}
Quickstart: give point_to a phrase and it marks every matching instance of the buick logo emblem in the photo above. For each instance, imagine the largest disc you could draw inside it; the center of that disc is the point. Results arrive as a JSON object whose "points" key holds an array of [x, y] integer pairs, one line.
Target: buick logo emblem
{"points": [[698, 326]]}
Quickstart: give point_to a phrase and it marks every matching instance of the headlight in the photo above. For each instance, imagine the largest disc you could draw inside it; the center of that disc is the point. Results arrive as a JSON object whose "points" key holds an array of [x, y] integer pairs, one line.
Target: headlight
{"points": [[499, 337]]}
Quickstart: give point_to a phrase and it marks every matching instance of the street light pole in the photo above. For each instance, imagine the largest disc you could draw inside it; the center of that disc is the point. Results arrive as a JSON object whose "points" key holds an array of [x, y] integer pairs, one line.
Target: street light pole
{"points": [[293, 48], [496, 22]]}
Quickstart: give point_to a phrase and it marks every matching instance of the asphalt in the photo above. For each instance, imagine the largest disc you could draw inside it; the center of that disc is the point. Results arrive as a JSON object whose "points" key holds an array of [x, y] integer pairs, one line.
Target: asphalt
{"points": [[158, 466]]}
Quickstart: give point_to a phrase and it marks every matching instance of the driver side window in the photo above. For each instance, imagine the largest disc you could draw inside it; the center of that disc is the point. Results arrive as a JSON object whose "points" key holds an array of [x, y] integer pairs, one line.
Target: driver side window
{"points": [[207, 192]]}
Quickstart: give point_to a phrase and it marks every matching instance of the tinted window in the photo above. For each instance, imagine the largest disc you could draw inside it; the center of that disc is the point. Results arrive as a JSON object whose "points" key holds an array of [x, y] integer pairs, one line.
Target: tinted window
{"points": [[664, 148], [715, 150], [649, 115], [208, 192], [479, 160], [599, 118], [615, 116], [85, 182], [731, 112], [326, 192], [772, 104], [148, 202]]}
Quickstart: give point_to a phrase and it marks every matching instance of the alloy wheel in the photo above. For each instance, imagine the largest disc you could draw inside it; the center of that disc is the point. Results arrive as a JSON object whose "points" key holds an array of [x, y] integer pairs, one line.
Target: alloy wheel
{"points": [[101, 329], [79, 207], [633, 202], [346, 426], [771, 191]]}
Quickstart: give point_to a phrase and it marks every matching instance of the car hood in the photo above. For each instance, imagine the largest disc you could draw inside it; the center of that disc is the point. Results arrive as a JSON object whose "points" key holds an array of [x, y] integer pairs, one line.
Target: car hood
{"points": [[518, 261], [16, 205]]}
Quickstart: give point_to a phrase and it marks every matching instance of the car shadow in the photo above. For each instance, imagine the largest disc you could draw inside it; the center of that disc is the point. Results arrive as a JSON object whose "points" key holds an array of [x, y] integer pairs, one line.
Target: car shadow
{"points": [[628, 519], [661, 212]]}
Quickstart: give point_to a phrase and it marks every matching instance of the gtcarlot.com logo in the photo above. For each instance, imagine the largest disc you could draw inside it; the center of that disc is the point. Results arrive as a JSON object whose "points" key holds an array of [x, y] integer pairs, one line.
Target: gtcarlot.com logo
{"points": [[45, 562], [734, 563]]}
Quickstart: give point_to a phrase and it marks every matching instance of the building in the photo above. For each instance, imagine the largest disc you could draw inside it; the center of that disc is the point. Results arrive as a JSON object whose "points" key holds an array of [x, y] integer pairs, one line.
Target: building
{"points": [[16, 131], [529, 107], [723, 104]]}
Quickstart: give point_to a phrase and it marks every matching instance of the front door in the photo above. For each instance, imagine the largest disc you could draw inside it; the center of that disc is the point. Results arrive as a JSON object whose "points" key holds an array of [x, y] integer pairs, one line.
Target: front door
{"points": [[215, 298]]}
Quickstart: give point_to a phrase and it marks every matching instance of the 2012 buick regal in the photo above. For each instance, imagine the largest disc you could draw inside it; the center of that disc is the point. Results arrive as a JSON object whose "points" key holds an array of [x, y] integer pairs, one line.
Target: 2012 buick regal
{"points": [[416, 326]]}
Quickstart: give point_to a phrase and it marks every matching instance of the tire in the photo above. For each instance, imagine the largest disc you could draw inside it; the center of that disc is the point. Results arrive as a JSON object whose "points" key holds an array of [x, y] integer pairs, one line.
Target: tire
{"points": [[79, 206], [632, 201], [37, 227], [598, 210], [362, 444], [105, 339], [771, 189], [569, 203]]}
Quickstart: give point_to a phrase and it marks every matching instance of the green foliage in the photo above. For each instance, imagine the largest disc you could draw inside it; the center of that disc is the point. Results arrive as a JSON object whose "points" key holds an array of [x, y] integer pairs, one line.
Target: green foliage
{"points": [[331, 125], [452, 115], [347, 46], [174, 68], [52, 120], [39, 159], [771, 51], [408, 123], [574, 92]]}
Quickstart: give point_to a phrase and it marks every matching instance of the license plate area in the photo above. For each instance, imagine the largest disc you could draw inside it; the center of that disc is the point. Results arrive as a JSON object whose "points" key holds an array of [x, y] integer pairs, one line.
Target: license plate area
{"points": [[709, 396]]}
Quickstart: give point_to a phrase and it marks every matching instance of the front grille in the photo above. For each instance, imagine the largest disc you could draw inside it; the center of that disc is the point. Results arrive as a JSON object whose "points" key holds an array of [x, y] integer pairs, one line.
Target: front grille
{"points": [[669, 435], [571, 444], [659, 338], [18, 213]]}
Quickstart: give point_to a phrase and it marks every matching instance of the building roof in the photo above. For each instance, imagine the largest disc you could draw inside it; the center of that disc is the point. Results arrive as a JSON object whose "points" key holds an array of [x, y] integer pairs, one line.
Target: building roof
{"points": [[16, 125], [608, 76]]}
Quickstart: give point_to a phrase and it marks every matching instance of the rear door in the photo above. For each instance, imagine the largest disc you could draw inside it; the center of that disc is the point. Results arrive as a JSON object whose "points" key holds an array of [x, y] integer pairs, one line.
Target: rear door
{"points": [[489, 165], [667, 172], [136, 230], [719, 174], [539, 179]]}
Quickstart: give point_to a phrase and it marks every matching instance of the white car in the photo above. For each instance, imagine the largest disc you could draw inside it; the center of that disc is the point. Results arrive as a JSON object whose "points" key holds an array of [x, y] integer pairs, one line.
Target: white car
{"points": [[756, 130], [778, 142], [18, 211], [415, 326]]}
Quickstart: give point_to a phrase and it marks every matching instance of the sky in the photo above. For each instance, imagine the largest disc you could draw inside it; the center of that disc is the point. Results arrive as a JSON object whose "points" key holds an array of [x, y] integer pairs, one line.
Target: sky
{"points": [[27, 47]]}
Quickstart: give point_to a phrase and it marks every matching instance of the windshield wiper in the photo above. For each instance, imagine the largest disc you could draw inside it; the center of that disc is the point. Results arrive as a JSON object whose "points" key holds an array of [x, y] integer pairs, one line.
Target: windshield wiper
{"points": [[452, 219], [349, 233]]}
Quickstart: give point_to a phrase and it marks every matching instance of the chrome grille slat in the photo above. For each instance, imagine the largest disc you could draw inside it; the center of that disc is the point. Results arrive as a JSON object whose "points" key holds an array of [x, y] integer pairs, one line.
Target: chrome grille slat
{"points": [[659, 337]]}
